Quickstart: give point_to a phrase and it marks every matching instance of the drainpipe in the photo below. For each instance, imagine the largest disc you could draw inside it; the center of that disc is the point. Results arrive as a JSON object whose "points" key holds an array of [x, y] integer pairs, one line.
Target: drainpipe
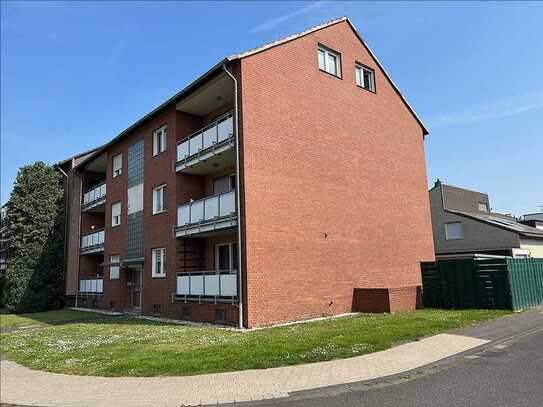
{"points": [[238, 199], [66, 204]]}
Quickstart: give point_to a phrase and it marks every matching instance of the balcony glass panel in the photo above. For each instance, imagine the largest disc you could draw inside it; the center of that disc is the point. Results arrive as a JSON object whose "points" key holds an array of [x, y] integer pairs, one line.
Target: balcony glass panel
{"points": [[196, 285], [195, 144], [218, 131], [208, 283], [93, 239], [225, 129], [227, 203], [182, 150], [183, 215], [197, 212], [211, 206], [94, 194], [211, 286], [210, 137]]}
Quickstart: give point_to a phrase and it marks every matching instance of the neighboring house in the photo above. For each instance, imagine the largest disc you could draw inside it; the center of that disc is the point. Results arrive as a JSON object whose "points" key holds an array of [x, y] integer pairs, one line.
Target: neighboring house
{"points": [[301, 158], [463, 223], [3, 239], [533, 219]]}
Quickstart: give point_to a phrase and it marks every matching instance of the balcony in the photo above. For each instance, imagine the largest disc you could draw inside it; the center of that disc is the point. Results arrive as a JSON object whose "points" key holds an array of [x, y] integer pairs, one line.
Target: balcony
{"points": [[92, 243], [94, 199], [206, 286], [209, 149], [91, 286], [207, 216]]}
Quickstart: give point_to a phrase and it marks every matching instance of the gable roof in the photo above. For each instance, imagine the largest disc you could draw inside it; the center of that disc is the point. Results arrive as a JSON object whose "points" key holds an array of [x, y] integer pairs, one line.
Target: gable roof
{"points": [[503, 222], [320, 27], [229, 59]]}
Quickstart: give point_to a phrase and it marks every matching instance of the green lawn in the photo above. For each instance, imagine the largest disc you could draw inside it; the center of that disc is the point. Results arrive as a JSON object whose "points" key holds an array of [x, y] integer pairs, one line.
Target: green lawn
{"points": [[40, 318], [125, 346]]}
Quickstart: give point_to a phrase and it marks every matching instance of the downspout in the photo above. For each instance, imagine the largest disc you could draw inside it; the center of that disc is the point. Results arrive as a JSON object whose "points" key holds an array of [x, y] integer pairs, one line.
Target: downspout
{"points": [[66, 204], [238, 198]]}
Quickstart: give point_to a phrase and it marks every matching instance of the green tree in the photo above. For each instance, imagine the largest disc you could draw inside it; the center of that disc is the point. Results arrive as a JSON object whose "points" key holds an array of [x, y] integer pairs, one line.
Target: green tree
{"points": [[35, 228]]}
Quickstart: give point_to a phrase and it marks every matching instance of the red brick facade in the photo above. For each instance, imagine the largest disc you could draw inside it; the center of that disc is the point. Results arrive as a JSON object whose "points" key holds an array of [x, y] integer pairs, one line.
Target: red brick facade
{"points": [[334, 208]]}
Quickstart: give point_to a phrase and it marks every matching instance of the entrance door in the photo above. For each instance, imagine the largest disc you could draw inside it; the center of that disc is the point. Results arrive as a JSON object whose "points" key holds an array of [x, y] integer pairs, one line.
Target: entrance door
{"points": [[136, 289]]}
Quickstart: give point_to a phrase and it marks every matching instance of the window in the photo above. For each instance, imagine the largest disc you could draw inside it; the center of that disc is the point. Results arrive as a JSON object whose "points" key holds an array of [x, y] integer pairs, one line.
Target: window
{"points": [[483, 206], [117, 165], [329, 61], [159, 140], [365, 77], [225, 184], [114, 267], [159, 262], [159, 199], [454, 231], [116, 214], [227, 257]]}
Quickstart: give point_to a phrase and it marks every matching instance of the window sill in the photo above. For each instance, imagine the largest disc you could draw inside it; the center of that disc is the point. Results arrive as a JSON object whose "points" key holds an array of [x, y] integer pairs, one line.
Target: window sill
{"points": [[331, 74], [114, 226], [159, 276], [158, 213], [366, 89], [157, 154]]}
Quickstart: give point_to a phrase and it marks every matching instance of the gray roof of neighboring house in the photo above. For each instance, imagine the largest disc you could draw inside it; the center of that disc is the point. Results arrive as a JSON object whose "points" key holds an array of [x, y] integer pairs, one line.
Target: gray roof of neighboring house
{"points": [[502, 221], [256, 50]]}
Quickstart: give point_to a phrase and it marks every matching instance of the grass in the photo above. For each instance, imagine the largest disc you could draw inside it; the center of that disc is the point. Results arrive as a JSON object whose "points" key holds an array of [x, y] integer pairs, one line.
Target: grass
{"points": [[40, 318], [126, 346]]}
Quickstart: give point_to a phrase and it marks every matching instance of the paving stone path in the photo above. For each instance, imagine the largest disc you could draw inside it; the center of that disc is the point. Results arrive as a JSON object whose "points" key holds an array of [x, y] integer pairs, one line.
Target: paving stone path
{"points": [[23, 386]]}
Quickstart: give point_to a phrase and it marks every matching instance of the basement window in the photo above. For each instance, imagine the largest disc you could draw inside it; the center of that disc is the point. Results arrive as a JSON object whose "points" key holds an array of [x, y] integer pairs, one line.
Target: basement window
{"points": [[365, 77], [454, 231], [329, 61]]}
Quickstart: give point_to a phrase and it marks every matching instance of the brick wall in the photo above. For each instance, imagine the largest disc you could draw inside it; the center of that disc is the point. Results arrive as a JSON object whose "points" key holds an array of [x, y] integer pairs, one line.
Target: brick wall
{"points": [[335, 182]]}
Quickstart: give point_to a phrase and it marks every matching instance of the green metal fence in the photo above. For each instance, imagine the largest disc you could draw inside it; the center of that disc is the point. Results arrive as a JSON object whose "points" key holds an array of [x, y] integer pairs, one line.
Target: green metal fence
{"points": [[503, 283]]}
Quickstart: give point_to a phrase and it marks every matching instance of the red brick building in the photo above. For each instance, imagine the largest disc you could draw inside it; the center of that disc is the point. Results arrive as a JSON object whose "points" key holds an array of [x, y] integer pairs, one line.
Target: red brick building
{"points": [[301, 158]]}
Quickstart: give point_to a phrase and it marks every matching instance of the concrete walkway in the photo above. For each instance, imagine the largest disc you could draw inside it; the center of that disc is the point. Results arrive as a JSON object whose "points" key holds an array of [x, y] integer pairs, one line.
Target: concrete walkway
{"points": [[23, 386]]}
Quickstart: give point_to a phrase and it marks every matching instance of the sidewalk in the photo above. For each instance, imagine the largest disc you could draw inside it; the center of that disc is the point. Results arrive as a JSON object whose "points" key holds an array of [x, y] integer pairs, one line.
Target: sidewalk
{"points": [[24, 386]]}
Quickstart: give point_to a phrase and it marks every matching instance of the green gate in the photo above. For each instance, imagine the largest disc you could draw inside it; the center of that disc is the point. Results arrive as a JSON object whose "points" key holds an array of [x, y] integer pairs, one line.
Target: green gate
{"points": [[503, 283]]}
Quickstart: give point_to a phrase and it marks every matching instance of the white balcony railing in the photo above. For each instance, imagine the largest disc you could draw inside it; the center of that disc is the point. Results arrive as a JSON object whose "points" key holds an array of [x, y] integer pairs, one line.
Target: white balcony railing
{"points": [[207, 284], [91, 285], [92, 240], [213, 134], [207, 209], [95, 194]]}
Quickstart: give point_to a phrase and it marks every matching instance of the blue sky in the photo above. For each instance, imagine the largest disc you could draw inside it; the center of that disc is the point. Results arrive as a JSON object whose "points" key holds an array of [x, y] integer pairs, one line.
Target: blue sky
{"points": [[73, 75]]}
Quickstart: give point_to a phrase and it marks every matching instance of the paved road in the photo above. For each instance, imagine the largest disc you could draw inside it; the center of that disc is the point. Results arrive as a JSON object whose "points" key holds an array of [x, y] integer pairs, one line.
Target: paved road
{"points": [[507, 372]]}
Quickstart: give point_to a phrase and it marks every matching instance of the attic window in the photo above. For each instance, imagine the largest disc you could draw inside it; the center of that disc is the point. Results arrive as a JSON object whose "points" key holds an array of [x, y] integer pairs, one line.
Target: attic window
{"points": [[483, 206], [329, 61], [365, 77]]}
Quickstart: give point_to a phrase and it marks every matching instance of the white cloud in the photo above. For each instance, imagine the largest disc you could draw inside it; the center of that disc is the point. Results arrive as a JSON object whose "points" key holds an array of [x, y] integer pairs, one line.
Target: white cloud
{"points": [[531, 100], [268, 25]]}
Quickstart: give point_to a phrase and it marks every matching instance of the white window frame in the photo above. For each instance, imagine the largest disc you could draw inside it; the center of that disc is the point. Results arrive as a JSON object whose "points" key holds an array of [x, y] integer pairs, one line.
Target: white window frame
{"points": [[327, 52], [159, 140], [114, 266], [116, 219], [455, 237], [231, 255], [159, 191], [359, 77], [117, 170], [479, 204], [158, 271]]}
